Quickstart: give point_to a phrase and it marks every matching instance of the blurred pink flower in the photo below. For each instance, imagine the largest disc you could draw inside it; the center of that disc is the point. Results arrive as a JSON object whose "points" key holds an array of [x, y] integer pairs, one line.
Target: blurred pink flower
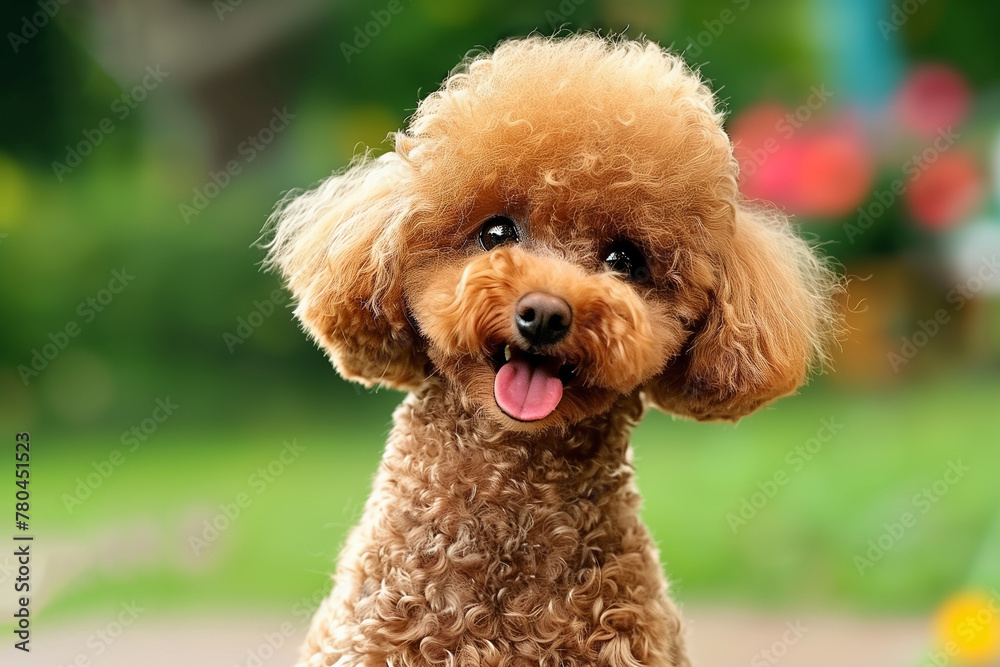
{"points": [[754, 126], [775, 180], [765, 152], [932, 98], [947, 192], [817, 172], [834, 175]]}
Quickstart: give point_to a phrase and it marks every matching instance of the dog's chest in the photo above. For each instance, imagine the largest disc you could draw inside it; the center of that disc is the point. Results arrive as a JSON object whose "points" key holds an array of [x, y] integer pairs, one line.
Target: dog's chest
{"points": [[474, 550], [504, 528]]}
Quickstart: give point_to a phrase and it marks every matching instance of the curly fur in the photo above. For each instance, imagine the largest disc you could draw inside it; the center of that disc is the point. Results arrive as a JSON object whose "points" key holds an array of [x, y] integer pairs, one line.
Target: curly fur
{"points": [[491, 541]]}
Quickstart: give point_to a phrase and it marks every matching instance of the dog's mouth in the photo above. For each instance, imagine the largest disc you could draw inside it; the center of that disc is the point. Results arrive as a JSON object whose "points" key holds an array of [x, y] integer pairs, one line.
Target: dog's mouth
{"points": [[529, 386]]}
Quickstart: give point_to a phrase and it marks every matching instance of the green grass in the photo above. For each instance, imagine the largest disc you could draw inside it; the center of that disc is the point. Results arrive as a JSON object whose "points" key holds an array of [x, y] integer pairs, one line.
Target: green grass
{"points": [[801, 545], [130, 538]]}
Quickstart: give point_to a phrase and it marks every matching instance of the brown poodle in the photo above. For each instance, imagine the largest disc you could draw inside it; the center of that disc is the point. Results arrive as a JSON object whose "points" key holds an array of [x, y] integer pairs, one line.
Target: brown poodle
{"points": [[556, 241]]}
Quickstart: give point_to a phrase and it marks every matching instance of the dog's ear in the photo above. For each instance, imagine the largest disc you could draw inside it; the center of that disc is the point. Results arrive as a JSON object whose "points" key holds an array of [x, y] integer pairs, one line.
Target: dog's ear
{"points": [[340, 247], [771, 316]]}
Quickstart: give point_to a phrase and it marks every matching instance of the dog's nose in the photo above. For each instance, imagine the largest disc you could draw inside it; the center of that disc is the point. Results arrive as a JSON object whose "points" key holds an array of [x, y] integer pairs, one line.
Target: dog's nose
{"points": [[542, 318]]}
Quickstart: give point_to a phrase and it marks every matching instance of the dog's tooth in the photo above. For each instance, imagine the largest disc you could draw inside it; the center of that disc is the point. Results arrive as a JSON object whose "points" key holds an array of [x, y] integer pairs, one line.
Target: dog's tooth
{"points": [[506, 352]]}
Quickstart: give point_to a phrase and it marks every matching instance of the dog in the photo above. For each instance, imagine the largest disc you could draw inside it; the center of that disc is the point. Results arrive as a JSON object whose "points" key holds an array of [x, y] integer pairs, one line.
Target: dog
{"points": [[556, 242]]}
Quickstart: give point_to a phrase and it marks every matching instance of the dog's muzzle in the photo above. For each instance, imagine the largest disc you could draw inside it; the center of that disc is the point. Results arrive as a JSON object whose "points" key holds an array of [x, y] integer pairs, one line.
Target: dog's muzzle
{"points": [[528, 386]]}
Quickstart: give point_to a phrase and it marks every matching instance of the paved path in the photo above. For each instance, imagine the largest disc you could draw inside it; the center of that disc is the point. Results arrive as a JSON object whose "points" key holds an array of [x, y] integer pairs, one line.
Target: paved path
{"points": [[718, 638]]}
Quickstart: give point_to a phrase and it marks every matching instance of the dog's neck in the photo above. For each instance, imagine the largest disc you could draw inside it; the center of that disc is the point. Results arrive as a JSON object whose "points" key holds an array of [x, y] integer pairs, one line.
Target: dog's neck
{"points": [[434, 430], [529, 533]]}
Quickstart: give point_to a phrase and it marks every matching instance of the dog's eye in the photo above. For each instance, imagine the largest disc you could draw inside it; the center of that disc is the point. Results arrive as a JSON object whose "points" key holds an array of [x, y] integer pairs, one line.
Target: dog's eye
{"points": [[624, 258], [497, 231]]}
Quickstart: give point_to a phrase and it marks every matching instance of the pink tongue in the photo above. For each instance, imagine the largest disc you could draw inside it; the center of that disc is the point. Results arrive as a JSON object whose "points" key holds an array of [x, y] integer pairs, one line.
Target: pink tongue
{"points": [[525, 391]]}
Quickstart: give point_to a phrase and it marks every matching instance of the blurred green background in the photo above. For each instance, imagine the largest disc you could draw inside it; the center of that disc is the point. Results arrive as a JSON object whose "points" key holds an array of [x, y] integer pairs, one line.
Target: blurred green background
{"points": [[145, 144]]}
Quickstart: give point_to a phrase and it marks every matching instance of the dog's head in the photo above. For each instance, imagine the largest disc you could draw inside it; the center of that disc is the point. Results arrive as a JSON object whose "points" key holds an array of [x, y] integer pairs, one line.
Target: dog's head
{"points": [[559, 226]]}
